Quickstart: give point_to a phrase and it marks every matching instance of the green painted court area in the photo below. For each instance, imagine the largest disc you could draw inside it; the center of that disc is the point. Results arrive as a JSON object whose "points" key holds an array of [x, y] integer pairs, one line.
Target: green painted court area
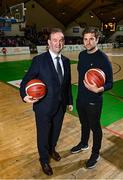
{"points": [[13, 70], [112, 104], [113, 99]]}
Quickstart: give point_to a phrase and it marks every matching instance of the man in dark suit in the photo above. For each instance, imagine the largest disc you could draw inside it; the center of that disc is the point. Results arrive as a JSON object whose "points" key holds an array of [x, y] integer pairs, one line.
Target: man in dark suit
{"points": [[50, 110]]}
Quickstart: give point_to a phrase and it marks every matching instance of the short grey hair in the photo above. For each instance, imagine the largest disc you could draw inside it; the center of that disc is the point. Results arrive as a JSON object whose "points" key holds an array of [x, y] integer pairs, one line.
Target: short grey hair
{"points": [[55, 30]]}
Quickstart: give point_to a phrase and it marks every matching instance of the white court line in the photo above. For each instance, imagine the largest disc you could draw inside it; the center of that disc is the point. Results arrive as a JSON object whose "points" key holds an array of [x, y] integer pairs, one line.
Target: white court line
{"points": [[114, 54]]}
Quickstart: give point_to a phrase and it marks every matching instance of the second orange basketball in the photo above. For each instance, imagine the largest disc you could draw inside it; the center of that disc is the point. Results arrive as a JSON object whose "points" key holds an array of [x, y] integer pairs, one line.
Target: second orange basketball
{"points": [[36, 88], [95, 75]]}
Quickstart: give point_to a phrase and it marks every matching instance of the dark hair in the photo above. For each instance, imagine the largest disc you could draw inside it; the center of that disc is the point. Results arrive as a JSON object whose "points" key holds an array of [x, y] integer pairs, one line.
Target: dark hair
{"points": [[55, 30], [91, 30]]}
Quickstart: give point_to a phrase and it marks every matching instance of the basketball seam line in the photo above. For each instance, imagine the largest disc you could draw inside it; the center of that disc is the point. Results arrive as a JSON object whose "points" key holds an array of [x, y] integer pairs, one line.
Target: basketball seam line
{"points": [[33, 85], [103, 75]]}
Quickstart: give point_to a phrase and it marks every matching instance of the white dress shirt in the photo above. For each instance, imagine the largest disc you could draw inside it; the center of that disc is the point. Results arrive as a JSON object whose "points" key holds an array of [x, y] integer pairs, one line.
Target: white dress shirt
{"points": [[53, 55]]}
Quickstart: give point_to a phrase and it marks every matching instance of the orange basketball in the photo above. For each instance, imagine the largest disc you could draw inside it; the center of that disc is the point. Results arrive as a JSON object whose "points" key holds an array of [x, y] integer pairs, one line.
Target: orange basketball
{"points": [[96, 76], [36, 88]]}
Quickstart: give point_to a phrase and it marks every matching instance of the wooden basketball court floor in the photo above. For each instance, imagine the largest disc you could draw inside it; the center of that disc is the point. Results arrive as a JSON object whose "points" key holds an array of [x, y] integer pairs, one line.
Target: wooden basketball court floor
{"points": [[18, 151]]}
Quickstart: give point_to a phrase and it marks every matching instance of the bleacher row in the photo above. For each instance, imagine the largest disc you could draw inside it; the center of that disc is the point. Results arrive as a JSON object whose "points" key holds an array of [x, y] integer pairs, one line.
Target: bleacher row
{"points": [[13, 41]]}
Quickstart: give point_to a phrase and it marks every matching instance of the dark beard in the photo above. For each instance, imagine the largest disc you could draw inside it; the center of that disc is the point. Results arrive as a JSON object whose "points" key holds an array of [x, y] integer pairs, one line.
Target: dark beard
{"points": [[90, 50]]}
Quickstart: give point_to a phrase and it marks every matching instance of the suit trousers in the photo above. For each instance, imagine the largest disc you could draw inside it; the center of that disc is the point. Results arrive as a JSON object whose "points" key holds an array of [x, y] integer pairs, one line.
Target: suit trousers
{"points": [[89, 115], [48, 130]]}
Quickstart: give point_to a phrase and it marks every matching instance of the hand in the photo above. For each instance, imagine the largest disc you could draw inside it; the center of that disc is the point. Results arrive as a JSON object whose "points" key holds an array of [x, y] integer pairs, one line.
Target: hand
{"points": [[70, 107], [93, 87], [30, 99]]}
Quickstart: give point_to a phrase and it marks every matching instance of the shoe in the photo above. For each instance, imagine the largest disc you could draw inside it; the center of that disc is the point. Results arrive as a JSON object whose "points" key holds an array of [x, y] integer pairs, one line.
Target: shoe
{"points": [[55, 155], [78, 148], [47, 169], [91, 163]]}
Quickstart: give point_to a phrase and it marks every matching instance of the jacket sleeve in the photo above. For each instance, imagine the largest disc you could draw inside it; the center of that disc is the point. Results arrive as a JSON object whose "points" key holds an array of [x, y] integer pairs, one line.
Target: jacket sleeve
{"points": [[109, 76], [70, 98], [32, 73]]}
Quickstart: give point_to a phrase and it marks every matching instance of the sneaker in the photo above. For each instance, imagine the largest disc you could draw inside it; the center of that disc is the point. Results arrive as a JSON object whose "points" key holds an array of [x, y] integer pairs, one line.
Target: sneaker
{"points": [[78, 148], [91, 163]]}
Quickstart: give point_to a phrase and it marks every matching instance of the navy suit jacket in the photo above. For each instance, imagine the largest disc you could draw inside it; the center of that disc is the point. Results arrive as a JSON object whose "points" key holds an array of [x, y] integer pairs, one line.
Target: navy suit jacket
{"points": [[42, 68]]}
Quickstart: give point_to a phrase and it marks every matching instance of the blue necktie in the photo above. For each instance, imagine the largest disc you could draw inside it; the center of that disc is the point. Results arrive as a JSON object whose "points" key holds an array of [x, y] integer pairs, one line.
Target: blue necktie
{"points": [[59, 70]]}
